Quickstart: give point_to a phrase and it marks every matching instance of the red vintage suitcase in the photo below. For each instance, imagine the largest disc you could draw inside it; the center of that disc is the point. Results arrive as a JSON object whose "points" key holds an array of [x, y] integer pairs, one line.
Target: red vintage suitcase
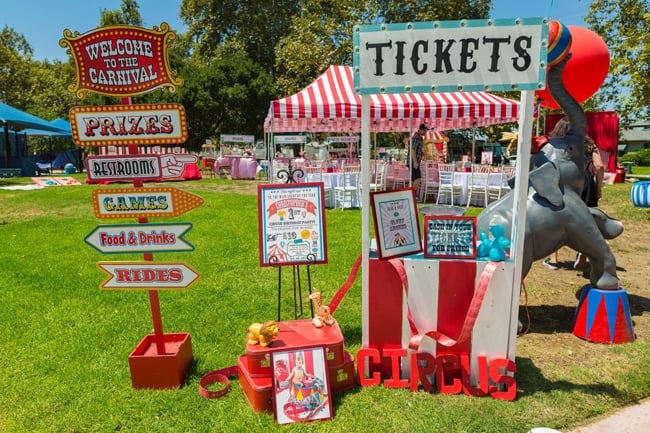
{"points": [[258, 390], [293, 335], [342, 377]]}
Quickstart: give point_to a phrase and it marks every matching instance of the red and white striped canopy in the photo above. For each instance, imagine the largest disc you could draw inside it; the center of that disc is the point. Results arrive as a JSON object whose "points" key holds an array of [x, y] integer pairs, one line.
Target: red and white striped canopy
{"points": [[329, 104]]}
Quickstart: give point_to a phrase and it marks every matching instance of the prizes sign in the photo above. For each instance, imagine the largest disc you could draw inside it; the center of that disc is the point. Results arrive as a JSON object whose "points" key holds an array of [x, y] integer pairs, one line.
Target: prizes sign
{"points": [[121, 60], [449, 56]]}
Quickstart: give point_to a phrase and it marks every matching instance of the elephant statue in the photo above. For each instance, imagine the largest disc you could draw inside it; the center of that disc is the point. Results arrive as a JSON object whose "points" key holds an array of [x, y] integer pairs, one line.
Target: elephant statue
{"points": [[555, 213]]}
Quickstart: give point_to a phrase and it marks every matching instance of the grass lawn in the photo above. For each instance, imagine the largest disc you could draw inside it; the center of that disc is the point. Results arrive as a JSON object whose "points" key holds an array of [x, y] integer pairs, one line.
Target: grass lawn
{"points": [[65, 342]]}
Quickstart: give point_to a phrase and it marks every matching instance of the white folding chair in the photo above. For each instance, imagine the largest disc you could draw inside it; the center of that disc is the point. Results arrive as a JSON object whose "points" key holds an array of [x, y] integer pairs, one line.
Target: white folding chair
{"points": [[402, 177], [430, 180], [378, 182], [315, 174], [478, 184], [447, 185], [346, 193], [495, 192]]}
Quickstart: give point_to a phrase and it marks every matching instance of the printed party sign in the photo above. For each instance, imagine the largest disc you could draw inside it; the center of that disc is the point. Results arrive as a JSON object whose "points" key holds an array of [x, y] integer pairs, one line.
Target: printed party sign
{"points": [[292, 224], [148, 275], [140, 238], [121, 60], [143, 202], [396, 222], [450, 236]]}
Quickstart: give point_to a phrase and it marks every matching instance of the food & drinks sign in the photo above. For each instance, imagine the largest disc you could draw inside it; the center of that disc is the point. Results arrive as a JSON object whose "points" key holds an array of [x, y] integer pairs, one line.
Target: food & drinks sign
{"points": [[121, 60]]}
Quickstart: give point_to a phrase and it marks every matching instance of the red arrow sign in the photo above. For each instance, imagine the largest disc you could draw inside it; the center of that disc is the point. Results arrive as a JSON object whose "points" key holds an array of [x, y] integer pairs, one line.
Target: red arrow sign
{"points": [[148, 275], [143, 202]]}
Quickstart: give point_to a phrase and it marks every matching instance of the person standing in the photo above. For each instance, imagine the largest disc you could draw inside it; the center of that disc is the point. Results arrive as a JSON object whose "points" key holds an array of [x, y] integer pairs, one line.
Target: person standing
{"points": [[593, 190], [416, 150]]}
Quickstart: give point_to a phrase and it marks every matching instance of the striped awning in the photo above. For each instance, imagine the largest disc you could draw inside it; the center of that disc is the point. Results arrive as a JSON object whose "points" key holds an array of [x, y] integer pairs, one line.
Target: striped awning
{"points": [[329, 104]]}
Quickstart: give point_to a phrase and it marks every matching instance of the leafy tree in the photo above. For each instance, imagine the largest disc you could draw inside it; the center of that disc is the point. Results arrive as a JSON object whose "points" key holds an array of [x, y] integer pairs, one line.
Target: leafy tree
{"points": [[253, 25], [624, 25], [129, 13], [224, 96], [427, 10], [321, 33], [15, 68]]}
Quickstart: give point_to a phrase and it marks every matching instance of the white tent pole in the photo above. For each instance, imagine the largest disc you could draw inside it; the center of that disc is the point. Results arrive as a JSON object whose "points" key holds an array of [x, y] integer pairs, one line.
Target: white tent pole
{"points": [[365, 210], [409, 156], [519, 206]]}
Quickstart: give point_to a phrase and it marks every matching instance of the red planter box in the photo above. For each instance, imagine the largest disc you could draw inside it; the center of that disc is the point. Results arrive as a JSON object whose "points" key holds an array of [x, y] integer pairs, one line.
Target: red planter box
{"points": [[161, 371]]}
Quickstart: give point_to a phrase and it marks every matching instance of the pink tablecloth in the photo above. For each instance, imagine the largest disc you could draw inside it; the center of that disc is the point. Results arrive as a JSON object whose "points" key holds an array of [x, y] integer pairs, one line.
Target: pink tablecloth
{"points": [[240, 167]]}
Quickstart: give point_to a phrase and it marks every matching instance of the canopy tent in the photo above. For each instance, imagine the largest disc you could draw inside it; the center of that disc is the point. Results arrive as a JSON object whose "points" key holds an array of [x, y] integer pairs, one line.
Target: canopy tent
{"points": [[13, 118], [65, 130], [329, 104]]}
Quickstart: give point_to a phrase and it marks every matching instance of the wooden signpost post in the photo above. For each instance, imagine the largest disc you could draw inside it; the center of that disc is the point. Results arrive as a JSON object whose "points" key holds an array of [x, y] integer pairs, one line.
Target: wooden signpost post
{"points": [[124, 61]]}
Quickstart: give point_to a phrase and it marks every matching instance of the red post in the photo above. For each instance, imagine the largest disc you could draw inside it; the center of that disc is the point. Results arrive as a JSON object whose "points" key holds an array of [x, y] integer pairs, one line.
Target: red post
{"points": [[153, 294]]}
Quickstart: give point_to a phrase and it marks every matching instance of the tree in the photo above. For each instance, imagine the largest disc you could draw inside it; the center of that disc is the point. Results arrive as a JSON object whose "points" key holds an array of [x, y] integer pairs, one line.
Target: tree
{"points": [[255, 26], [321, 33], [15, 67], [129, 13], [224, 96], [624, 25]]}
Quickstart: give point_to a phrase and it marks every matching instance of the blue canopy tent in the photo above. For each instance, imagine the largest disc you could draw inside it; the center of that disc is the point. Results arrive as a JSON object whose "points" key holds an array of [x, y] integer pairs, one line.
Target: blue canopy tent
{"points": [[18, 120]]}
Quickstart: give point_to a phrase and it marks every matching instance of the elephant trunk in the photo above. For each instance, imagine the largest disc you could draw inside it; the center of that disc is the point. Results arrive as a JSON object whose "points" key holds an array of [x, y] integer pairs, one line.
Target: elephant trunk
{"points": [[573, 110]]}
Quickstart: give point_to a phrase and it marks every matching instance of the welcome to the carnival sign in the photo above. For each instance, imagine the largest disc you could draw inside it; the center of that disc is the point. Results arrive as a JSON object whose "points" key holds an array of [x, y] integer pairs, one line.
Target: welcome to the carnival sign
{"points": [[121, 60], [449, 56]]}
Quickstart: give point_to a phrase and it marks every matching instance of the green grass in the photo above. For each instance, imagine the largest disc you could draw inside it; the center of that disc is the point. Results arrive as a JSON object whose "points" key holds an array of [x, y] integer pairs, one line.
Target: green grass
{"points": [[65, 343]]}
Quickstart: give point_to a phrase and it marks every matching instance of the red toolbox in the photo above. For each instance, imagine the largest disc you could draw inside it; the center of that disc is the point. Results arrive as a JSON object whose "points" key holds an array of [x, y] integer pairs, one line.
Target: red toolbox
{"points": [[294, 335]]}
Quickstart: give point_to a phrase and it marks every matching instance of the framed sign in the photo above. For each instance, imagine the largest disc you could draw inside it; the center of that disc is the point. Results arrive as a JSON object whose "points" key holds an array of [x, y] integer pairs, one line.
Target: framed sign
{"points": [[300, 385], [397, 227], [292, 224], [448, 236]]}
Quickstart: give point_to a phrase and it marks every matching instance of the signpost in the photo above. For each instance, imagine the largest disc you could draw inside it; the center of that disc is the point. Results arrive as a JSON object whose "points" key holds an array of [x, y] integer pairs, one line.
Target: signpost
{"points": [[148, 275], [138, 124], [143, 202], [143, 238], [124, 61]]}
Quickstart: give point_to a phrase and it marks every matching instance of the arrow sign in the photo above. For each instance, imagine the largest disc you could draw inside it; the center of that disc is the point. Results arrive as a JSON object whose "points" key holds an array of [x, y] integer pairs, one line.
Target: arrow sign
{"points": [[123, 167], [139, 238], [143, 202], [148, 275]]}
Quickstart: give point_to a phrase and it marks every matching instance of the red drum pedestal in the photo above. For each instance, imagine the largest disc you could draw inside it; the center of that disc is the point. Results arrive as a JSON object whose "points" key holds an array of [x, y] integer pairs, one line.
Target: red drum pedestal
{"points": [[603, 316]]}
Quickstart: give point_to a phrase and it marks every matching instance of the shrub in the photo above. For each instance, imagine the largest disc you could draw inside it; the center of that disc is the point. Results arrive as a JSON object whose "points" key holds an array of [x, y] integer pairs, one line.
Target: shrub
{"points": [[641, 158]]}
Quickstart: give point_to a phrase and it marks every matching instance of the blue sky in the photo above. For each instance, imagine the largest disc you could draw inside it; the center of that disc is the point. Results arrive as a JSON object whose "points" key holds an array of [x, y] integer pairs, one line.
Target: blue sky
{"points": [[42, 21]]}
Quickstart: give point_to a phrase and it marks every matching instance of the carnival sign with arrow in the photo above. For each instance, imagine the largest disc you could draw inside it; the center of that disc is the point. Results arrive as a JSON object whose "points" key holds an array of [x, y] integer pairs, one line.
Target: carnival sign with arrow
{"points": [[140, 238], [148, 275], [143, 202]]}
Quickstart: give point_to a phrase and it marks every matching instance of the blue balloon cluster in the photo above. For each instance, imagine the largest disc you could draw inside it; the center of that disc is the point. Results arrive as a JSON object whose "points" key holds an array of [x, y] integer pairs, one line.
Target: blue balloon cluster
{"points": [[493, 247]]}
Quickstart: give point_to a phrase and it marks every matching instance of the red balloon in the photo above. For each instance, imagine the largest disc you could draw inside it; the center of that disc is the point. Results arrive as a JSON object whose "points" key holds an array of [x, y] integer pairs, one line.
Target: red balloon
{"points": [[585, 71]]}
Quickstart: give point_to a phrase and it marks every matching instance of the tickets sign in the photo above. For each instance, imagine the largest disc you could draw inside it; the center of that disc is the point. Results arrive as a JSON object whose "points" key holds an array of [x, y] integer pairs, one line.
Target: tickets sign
{"points": [[121, 125], [451, 56], [148, 275], [121, 60], [143, 202], [140, 238]]}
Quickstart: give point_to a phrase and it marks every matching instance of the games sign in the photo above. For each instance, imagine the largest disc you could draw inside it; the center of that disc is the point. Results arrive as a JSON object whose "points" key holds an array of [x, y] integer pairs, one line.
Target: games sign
{"points": [[121, 60]]}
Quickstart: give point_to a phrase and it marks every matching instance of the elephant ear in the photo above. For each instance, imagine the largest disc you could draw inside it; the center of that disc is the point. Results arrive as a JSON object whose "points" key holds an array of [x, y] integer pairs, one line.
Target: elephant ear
{"points": [[546, 182]]}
